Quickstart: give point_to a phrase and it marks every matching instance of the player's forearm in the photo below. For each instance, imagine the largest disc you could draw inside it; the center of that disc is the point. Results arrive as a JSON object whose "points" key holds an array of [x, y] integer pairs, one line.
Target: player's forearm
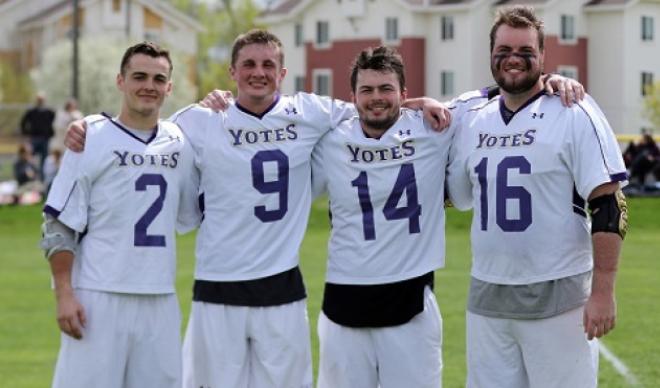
{"points": [[414, 103], [607, 247], [61, 264]]}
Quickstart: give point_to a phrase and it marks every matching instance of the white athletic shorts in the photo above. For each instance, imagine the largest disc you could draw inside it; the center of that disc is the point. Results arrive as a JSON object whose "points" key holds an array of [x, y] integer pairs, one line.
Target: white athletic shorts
{"points": [[130, 341], [239, 346], [530, 353], [408, 355]]}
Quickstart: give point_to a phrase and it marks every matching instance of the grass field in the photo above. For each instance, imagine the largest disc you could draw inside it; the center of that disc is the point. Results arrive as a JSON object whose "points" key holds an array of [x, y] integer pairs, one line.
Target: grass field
{"points": [[29, 336]]}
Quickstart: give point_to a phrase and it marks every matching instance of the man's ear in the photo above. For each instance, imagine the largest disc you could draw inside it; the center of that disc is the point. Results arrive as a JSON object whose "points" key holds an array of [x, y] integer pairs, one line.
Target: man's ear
{"points": [[120, 82]]}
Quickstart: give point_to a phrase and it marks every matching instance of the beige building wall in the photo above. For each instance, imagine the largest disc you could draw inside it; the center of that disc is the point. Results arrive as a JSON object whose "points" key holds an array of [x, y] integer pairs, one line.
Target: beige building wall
{"points": [[615, 54], [605, 72]]}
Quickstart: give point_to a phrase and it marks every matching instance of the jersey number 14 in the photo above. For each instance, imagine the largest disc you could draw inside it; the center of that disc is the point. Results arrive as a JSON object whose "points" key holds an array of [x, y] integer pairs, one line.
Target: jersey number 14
{"points": [[405, 182]]}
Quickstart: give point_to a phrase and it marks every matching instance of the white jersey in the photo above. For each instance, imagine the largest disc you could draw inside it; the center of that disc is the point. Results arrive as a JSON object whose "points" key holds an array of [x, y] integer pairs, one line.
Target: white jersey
{"points": [[527, 181], [386, 200], [256, 183], [125, 195]]}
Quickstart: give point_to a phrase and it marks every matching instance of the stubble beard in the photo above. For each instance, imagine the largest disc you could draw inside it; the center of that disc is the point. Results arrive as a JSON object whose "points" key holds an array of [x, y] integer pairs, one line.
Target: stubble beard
{"points": [[515, 87], [379, 124]]}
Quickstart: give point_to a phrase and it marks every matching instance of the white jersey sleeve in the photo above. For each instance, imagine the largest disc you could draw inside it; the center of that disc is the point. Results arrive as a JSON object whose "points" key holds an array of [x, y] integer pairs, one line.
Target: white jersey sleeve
{"points": [[593, 151], [329, 111], [68, 199], [319, 176], [458, 183], [194, 121], [189, 215]]}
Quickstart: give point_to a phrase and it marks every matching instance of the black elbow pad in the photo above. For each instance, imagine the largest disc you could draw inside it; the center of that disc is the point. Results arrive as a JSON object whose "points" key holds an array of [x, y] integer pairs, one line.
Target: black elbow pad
{"points": [[609, 213]]}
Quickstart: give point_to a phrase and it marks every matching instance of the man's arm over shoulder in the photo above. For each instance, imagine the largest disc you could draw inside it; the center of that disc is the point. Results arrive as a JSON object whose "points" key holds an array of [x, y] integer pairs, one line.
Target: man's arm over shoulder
{"points": [[195, 120], [325, 111]]}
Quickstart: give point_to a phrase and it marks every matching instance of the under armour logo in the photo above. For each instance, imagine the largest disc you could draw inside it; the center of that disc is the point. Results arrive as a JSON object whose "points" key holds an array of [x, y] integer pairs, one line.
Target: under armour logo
{"points": [[403, 133], [535, 115], [291, 111]]}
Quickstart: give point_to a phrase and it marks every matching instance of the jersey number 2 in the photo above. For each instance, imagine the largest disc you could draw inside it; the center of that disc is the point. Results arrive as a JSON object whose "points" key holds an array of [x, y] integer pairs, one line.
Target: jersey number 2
{"points": [[141, 238], [405, 181]]}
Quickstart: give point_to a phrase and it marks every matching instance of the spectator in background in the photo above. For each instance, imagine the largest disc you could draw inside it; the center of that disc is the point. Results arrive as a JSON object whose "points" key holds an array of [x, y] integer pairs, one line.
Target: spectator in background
{"points": [[63, 118], [646, 160], [37, 126], [51, 166], [25, 173], [629, 154]]}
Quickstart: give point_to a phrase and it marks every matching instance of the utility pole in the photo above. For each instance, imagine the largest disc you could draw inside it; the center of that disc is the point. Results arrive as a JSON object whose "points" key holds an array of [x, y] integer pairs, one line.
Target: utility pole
{"points": [[128, 20], [75, 36]]}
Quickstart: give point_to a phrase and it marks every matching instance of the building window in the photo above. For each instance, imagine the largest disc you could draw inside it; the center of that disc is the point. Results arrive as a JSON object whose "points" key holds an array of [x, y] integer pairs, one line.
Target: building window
{"points": [[298, 34], [322, 82], [447, 28], [568, 71], [567, 28], [391, 29], [322, 33], [299, 83], [647, 28], [447, 83], [647, 82]]}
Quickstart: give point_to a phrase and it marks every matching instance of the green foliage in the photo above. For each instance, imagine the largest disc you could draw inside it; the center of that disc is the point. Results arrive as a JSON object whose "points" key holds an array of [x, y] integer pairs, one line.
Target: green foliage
{"points": [[15, 90], [99, 66], [222, 23], [652, 104], [15, 87]]}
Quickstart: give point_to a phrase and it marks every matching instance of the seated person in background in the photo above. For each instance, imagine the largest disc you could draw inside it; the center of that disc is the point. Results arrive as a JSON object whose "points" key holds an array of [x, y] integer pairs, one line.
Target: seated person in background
{"points": [[25, 173], [51, 166], [629, 154], [647, 159]]}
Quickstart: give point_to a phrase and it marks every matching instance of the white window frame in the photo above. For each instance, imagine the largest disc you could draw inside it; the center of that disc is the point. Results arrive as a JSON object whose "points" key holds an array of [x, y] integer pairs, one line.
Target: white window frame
{"points": [[298, 35], [391, 29], [646, 79], [648, 33], [317, 39], [567, 33], [569, 71], [447, 88], [316, 73], [446, 28], [299, 87]]}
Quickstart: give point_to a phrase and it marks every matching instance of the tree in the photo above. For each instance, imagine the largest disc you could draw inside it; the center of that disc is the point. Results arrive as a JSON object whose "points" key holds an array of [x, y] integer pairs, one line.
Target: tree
{"points": [[15, 87], [652, 104], [99, 66], [16, 93], [223, 21]]}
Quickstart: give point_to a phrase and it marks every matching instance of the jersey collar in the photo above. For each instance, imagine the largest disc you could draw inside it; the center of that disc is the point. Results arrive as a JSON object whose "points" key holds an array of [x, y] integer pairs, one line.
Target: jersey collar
{"points": [[507, 114], [129, 133], [262, 114]]}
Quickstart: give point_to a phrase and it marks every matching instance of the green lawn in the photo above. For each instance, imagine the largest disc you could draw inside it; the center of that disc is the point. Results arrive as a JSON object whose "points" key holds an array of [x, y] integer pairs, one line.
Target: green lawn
{"points": [[29, 336]]}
